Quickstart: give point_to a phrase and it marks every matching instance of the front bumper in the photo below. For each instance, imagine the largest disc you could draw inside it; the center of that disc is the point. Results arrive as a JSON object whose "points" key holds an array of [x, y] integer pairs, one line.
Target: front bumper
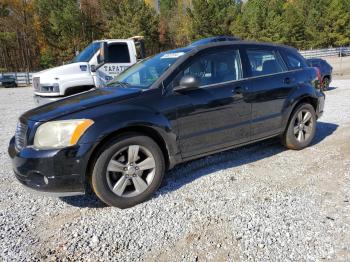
{"points": [[58, 172]]}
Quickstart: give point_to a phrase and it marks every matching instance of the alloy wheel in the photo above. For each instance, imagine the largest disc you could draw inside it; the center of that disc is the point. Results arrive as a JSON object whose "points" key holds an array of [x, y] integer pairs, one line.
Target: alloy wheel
{"points": [[303, 126], [130, 171]]}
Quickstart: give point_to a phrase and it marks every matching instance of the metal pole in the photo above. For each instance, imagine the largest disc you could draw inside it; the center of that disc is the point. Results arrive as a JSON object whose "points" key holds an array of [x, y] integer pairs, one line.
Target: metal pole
{"points": [[341, 61]]}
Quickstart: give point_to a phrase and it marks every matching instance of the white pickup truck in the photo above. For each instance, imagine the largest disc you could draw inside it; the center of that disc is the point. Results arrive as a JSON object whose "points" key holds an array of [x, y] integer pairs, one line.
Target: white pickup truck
{"points": [[97, 64]]}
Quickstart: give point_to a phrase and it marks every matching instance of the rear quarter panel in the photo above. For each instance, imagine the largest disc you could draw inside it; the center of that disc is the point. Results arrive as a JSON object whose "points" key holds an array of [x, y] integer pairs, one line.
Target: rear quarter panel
{"points": [[307, 81]]}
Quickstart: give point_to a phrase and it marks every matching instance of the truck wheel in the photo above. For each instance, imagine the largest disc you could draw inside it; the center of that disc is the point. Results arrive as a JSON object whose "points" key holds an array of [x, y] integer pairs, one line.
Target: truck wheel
{"points": [[128, 171], [301, 128]]}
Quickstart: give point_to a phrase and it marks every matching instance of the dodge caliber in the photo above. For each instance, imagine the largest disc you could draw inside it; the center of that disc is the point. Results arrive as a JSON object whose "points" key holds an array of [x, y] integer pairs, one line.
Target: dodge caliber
{"points": [[173, 107]]}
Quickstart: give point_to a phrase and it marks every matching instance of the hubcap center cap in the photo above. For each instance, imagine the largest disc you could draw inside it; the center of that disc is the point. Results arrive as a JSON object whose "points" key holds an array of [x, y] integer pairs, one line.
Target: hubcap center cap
{"points": [[130, 170]]}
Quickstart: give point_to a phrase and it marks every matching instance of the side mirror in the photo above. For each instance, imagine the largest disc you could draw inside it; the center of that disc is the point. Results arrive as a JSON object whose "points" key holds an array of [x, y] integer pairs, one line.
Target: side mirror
{"points": [[188, 83]]}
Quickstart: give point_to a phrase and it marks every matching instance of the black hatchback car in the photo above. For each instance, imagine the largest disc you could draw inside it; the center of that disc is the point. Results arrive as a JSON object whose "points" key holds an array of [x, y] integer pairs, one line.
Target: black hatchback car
{"points": [[176, 106]]}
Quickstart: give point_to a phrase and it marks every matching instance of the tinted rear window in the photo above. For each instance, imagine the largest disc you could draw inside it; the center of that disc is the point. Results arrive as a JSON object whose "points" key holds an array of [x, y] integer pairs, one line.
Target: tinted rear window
{"points": [[295, 62], [264, 62]]}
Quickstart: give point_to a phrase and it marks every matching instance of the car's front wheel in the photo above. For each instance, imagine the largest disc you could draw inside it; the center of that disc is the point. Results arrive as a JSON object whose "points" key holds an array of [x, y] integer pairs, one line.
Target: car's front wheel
{"points": [[301, 128], [128, 171]]}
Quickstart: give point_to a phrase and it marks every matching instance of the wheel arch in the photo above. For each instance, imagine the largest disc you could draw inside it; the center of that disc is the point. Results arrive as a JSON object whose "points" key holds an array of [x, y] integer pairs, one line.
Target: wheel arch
{"points": [[301, 100], [136, 129]]}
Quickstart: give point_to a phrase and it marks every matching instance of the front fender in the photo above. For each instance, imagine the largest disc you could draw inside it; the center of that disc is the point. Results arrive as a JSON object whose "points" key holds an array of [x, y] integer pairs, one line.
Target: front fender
{"points": [[111, 118]]}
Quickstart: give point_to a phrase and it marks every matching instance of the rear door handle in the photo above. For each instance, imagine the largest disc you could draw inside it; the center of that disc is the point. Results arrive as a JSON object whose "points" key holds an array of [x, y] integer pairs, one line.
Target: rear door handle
{"points": [[239, 90]]}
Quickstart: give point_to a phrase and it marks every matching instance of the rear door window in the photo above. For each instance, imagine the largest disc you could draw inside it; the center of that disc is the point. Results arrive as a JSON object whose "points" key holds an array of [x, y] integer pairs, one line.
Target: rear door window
{"points": [[264, 62], [295, 62], [118, 53]]}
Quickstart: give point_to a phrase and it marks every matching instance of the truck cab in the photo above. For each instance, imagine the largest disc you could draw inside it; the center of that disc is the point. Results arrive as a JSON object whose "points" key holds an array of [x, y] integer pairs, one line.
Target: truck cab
{"points": [[87, 70]]}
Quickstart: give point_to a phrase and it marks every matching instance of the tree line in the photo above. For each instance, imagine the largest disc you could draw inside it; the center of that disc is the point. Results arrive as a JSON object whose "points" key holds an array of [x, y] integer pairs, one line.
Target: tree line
{"points": [[37, 34]]}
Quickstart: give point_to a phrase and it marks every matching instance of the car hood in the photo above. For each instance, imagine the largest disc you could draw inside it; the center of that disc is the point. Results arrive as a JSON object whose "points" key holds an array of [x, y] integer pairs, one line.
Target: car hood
{"points": [[63, 70], [80, 102]]}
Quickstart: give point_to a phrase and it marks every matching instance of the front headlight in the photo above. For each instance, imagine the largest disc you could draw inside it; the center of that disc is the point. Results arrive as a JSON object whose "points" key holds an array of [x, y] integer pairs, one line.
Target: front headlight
{"points": [[60, 134]]}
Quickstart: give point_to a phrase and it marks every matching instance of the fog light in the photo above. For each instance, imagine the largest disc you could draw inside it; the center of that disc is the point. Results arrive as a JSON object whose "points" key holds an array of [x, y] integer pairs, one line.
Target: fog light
{"points": [[37, 179]]}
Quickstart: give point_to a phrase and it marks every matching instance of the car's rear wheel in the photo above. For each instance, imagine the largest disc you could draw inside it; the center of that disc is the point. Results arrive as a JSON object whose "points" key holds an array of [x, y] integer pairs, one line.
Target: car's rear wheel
{"points": [[128, 171], [301, 128], [326, 83]]}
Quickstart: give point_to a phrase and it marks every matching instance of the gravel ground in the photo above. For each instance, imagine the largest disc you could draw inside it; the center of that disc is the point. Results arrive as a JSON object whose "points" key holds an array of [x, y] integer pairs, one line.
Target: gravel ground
{"points": [[260, 202]]}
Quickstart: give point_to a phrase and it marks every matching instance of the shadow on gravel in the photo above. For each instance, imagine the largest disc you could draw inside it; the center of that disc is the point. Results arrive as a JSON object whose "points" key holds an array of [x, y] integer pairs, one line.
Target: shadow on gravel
{"points": [[190, 171], [89, 200], [331, 88], [323, 130]]}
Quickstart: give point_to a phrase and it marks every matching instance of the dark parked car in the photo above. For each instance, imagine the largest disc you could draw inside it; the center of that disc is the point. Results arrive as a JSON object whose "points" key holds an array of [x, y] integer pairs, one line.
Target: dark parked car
{"points": [[325, 70], [8, 81], [171, 108]]}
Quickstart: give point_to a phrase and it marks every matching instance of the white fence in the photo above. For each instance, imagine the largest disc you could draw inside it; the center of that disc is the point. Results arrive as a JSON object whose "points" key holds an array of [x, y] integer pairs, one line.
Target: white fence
{"points": [[340, 51], [22, 79]]}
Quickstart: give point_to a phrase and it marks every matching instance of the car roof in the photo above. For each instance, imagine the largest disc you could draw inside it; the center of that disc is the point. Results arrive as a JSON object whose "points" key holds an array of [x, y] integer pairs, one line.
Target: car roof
{"points": [[189, 50], [228, 43], [213, 39], [7, 76], [242, 43]]}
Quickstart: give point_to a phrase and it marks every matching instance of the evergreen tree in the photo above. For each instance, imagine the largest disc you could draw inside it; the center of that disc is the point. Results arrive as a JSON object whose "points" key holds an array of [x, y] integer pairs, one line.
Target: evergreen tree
{"points": [[260, 20], [128, 18], [64, 28], [211, 17], [294, 30], [337, 27]]}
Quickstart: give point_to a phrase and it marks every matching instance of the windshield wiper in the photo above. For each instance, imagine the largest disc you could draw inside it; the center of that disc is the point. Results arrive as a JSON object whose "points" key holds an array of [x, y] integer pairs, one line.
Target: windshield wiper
{"points": [[122, 84]]}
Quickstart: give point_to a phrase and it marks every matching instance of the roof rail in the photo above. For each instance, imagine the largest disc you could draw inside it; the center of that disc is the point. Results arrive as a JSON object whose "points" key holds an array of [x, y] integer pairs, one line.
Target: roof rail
{"points": [[220, 38]]}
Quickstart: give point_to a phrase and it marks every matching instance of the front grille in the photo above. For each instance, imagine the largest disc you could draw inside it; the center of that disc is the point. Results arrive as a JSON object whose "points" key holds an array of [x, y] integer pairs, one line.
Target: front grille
{"points": [[21, 135]]}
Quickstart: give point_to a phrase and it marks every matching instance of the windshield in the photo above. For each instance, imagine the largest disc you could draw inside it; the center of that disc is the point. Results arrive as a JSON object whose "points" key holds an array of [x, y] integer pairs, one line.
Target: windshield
{"points": [[87, 53], [143, 74]]}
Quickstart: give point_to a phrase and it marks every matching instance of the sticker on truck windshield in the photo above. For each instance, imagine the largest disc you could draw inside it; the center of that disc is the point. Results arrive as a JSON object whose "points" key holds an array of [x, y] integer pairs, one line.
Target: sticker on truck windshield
{"points": [[172, 55]]}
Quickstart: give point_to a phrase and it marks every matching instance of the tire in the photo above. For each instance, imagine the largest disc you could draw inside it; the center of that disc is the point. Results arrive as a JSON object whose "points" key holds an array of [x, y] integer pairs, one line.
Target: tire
{"points": [[325, 83], [299, 135], [123, 178]]}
